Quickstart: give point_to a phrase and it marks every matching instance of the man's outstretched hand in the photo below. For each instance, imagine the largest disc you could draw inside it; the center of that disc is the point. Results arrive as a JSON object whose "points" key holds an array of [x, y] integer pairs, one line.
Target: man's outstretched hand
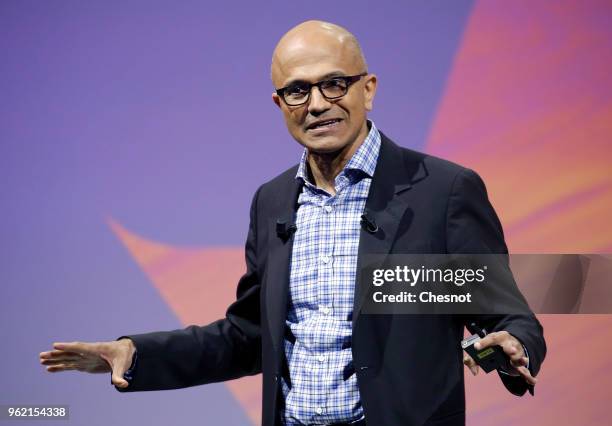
{"points": [[102, 357], [512, 348]]}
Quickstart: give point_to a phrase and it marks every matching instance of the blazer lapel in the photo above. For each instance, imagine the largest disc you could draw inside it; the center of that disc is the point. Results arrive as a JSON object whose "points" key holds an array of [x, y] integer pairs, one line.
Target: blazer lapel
{"points": [[393, 176], [279, 261], [385, 204]]}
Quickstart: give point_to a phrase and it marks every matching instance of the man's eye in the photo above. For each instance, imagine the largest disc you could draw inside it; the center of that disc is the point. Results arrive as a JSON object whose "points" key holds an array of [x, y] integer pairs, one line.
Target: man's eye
{"points": [[296, 90], [335, 82]]}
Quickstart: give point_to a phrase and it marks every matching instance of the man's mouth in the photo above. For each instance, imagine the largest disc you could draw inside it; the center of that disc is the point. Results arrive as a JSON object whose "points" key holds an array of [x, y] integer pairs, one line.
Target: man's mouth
{"points": [[324, 124]]}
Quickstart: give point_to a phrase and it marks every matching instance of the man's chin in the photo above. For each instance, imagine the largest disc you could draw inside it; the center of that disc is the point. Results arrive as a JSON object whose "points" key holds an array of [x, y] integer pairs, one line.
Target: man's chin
{"points": [[324, 145]]}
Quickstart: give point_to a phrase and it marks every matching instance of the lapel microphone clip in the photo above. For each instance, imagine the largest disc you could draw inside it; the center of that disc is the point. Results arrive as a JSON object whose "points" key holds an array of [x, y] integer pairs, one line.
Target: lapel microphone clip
{"points": [[284, 230], [368, 223]]}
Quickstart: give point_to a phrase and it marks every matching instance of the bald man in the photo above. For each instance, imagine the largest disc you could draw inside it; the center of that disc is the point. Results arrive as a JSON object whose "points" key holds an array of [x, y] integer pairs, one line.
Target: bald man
{"points": [[297, 316]]}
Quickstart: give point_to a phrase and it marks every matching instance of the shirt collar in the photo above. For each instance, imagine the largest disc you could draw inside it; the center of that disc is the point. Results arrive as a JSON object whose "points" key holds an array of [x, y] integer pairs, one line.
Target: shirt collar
{"points": [[364, 159]]}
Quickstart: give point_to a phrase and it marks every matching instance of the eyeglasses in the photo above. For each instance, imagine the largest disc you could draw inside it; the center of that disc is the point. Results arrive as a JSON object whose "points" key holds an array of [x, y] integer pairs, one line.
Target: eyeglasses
{"points": [[298, 93]]}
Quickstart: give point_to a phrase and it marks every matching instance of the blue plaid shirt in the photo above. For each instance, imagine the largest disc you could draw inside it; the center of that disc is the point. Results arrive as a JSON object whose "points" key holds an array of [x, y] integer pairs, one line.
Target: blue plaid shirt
{"points": [[322, 384]]}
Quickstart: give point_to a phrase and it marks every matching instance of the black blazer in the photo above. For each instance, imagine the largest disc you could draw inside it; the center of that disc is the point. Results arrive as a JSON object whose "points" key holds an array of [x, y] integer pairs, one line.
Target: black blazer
{"points": [[409, 367]]}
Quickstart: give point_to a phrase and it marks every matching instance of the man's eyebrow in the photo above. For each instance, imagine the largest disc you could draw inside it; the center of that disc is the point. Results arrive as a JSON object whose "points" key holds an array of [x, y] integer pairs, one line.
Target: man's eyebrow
{"points": [[324, 77]]}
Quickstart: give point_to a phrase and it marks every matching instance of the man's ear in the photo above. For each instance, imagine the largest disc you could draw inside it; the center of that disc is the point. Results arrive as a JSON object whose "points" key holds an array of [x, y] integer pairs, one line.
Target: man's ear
{"points": [[276, 99], [369, 90]]}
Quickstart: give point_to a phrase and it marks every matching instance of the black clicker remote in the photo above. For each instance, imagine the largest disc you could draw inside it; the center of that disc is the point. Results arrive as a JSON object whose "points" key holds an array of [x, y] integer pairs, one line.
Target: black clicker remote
{"points": [[489, 359]]}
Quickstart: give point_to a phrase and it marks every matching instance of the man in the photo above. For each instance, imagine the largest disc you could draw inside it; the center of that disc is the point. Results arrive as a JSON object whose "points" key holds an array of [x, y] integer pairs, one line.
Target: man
{"points": [[297, 317]]}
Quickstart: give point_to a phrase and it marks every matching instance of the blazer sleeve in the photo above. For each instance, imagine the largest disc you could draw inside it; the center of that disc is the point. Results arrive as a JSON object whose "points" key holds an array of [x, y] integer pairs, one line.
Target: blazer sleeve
{"points": [[473, 227], [223, 350]]}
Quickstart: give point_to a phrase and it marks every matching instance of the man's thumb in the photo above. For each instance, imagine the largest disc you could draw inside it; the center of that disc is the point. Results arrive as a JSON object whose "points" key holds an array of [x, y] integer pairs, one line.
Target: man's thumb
{"points": [[117, 378]]}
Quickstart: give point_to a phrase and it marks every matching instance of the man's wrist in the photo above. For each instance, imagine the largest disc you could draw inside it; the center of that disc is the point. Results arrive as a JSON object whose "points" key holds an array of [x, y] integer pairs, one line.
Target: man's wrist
{"points": [[129, 343], [129, 373]]}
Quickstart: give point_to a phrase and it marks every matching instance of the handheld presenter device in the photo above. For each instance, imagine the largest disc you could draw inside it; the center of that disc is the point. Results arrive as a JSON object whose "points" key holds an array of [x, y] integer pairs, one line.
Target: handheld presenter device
{"points": [[489, 359]]}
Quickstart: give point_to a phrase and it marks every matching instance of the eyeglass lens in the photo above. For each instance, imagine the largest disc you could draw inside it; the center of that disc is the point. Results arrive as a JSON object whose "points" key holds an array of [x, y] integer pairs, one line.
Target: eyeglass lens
{"points": [[298, 93]]}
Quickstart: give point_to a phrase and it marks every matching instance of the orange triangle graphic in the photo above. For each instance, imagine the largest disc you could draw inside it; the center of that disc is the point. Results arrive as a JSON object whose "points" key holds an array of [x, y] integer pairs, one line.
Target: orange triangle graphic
{"points": [[198, 284]]}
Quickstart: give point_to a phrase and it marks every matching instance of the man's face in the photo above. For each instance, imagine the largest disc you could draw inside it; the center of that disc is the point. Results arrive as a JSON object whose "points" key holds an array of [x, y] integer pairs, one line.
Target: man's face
{"points": [[312, 61]]}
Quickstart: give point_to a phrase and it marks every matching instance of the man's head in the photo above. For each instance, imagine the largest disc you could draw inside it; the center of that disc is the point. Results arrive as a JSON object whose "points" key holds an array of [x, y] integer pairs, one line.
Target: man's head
{"points": [[309, 53]]}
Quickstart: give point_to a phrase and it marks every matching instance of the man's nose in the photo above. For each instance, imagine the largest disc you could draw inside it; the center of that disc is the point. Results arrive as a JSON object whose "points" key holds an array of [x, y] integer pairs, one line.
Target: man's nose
{"points": [[317, 102]]}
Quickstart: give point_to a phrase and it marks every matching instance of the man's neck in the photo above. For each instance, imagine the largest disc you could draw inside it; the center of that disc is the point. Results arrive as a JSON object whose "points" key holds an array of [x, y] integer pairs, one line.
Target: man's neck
{"points": [[324, 167]]}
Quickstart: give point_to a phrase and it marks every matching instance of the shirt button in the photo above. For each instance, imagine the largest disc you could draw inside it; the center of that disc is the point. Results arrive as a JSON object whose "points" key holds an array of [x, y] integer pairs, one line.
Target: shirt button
{"points": [[328, 209], [319, 410], [325, 259], [325, 310], [321, 358]]}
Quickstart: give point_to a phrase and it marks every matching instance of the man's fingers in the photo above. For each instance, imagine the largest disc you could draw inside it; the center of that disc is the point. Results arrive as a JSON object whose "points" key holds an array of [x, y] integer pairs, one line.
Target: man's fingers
{"points": [[118, 380], [78, 347], [513, 349], [62, 360], [118, 369], [524, 372], [521, 362], [471, 364], [55, 368], [515, 355], [468, 361], [510, 345], [61, 367], [57, 354], [490, 339]]}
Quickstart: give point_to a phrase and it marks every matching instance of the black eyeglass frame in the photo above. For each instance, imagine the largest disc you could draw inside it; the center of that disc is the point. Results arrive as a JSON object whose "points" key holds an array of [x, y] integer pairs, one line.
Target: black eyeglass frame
{"points": [[348, 79]]}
